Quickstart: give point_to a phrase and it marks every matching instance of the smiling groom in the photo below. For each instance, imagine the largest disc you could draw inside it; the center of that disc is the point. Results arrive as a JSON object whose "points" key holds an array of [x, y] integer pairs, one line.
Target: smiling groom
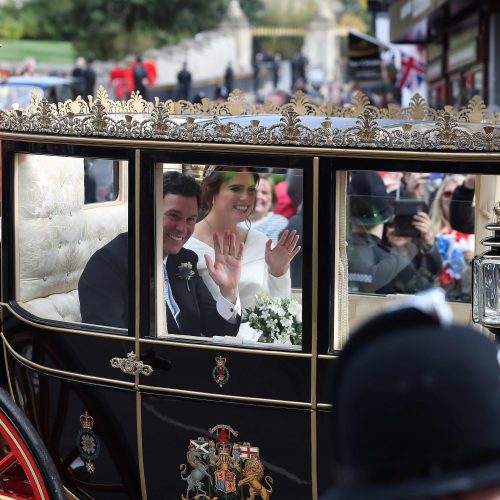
{"points": [[190, 307]]}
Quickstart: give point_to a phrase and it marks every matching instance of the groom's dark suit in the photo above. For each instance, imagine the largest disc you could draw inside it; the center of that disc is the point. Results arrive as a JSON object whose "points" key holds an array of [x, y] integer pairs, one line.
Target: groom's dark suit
{"points": [[104, 293]]}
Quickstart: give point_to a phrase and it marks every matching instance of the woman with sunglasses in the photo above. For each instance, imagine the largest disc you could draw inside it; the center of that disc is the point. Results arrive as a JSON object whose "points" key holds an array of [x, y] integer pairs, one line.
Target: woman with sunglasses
{"points": [[456, 248]]}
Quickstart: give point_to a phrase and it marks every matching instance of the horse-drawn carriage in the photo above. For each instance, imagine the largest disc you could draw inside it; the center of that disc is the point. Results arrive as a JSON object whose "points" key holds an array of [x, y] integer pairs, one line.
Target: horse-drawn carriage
{"points": [[137, 411]]}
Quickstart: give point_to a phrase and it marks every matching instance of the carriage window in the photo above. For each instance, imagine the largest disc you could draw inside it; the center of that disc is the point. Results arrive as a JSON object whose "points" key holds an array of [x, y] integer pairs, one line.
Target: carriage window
{"points": [[407, 232], [101, 180], [405, 235], [72, 257], [237, 250]]}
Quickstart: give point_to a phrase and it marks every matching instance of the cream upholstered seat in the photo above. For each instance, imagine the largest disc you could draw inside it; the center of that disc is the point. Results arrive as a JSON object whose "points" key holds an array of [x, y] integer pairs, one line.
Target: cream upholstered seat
{"points": [[57, 233]]}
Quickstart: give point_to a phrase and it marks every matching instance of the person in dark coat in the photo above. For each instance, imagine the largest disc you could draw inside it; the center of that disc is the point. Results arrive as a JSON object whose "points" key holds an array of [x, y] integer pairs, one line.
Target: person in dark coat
{"points": [[257, 66], [417, 406], [229, 78], [461, 209], [140, 76], [299, 68], [89, 76], [183, 83], [373, 266], [78, 75], [420, 249], [276, 69], [295, 224], [190, 308]]}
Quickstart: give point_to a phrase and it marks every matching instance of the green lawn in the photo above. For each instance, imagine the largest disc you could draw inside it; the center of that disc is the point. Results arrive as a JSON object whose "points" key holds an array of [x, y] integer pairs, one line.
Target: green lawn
{"points": [[44, 51]]}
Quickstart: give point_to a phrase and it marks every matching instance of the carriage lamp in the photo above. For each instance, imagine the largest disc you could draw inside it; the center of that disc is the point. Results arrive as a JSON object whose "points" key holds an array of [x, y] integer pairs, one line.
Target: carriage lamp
{"points": [[486, 280]]}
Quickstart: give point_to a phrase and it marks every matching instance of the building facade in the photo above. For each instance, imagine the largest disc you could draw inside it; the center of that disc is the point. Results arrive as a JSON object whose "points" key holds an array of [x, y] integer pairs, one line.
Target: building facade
{"points": [[462, 40]]}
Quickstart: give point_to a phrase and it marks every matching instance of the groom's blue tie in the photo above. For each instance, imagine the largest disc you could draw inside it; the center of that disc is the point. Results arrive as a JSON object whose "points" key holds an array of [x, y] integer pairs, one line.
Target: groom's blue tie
{"points": [[169, 297]]}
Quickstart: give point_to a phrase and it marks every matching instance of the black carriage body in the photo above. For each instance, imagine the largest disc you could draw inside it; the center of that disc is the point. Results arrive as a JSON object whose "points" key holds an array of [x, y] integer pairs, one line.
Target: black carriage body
{"points": [[134, 435], [59, 372]]}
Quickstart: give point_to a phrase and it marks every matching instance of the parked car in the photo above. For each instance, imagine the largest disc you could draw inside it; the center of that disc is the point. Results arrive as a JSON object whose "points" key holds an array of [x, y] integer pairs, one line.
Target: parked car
{"points": [[18, 89]]}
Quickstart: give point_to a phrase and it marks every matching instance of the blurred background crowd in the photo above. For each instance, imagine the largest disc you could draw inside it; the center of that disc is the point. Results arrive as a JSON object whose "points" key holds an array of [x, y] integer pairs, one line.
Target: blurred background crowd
{"points": [[269, 49]]}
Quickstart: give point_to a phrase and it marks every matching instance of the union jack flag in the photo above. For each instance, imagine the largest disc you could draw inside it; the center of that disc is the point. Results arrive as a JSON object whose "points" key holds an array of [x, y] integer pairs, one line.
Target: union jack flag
{"points": [[412, 72]]}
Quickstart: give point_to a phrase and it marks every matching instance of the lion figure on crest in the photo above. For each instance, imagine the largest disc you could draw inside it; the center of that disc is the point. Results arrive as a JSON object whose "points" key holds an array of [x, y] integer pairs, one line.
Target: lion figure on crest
{"points": [[252, 474]]}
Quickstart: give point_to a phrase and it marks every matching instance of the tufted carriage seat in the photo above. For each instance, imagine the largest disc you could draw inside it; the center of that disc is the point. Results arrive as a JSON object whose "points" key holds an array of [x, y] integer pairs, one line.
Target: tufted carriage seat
{"points": [[57, 233]]}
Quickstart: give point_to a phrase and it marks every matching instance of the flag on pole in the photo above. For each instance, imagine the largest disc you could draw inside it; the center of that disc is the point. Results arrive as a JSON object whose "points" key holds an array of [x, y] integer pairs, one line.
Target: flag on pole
{"points": [[412, 73]]}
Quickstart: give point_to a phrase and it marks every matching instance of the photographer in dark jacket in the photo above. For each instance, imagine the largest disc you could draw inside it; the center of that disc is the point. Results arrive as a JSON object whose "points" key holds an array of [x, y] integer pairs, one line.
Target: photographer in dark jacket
{"points": [[373, 266]]}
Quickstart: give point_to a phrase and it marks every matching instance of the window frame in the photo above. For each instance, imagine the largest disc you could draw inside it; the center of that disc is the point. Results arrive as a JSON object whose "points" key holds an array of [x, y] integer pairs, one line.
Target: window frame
{"points": [[345, 303], [10, 206], [153, 159]]}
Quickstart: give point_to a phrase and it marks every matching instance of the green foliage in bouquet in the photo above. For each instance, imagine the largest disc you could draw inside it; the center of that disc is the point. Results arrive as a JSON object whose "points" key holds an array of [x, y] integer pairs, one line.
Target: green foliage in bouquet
{"points": [[278, 320]]}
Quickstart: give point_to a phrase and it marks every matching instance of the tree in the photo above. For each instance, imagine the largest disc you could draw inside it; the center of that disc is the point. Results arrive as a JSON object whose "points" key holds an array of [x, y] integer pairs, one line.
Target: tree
{"points": [[111, 29], [39, 19]]}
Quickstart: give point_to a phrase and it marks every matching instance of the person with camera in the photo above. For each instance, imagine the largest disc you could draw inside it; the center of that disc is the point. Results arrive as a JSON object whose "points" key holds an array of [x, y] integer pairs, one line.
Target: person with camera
{"points": [[412, 236], [373, 266]]}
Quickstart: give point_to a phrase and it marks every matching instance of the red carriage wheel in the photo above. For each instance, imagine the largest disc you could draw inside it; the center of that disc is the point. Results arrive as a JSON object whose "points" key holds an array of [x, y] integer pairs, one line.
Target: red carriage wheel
{"points": [[27, 471]]}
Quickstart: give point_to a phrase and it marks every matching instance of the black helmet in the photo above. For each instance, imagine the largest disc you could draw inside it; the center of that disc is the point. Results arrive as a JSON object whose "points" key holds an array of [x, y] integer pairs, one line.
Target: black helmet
{"points": [[417, 410], [369, 202]]}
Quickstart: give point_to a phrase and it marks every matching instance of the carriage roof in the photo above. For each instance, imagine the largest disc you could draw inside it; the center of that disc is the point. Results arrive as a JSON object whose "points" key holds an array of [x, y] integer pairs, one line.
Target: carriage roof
{"points": [[237, 121]]}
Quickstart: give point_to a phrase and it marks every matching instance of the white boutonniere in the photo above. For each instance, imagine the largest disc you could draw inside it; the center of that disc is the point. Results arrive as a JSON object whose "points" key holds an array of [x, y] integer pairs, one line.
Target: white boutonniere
{"points": [[185, 272]]}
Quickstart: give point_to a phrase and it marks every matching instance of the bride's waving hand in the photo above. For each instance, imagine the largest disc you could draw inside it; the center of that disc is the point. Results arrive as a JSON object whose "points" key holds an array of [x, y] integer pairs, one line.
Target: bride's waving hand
{"points": [[278, 258]]}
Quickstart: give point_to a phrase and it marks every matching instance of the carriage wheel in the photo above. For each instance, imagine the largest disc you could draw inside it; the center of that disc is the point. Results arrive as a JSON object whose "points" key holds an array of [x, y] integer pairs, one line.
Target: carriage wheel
{"points": [[27, 471]]}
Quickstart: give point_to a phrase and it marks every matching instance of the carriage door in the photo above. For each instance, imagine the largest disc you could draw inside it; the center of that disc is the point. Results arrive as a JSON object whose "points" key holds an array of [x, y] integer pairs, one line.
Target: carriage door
{"points": [[227, 410], [414, 218], [62, 207]]}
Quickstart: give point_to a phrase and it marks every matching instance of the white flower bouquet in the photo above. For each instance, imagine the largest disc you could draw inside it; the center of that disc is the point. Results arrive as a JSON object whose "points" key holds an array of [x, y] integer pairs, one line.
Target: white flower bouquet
{"points": [[279, 321]]}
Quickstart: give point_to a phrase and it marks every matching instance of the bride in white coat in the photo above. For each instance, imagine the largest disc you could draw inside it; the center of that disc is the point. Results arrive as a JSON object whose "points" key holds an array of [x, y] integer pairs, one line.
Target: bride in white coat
{"points": [[228, 198]]}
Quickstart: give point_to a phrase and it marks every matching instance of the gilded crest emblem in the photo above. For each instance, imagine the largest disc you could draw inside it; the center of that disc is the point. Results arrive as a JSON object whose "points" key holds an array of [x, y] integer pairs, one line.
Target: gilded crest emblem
{"points": [[224, 469], [88, 443], [220, 373]]}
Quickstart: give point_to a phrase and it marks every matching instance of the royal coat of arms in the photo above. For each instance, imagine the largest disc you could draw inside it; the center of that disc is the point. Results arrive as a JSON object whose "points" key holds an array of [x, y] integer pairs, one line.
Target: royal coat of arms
{"points": [[222, 469]]}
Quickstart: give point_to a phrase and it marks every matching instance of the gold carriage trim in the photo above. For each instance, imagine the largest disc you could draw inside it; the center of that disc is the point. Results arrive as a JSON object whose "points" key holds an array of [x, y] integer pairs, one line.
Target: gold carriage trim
{"points": [[131, 366], [416, 127]]}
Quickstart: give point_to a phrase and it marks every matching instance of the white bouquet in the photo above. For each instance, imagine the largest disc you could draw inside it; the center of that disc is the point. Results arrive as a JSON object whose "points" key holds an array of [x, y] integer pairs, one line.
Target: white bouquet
{"points": [[279, 321]]}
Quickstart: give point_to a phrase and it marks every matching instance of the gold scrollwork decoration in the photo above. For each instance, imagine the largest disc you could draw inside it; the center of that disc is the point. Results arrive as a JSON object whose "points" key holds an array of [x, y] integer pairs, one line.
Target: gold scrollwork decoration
{"points": [[301, 122], [131, 366]]}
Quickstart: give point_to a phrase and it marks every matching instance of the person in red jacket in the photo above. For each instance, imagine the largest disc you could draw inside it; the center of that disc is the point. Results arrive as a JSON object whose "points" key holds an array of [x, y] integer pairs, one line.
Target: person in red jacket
{"points": [[122, 81]]}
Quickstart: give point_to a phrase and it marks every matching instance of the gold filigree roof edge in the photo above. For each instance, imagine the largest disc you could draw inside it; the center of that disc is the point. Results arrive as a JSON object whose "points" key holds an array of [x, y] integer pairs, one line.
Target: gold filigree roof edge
{"points": [[417, 126]]}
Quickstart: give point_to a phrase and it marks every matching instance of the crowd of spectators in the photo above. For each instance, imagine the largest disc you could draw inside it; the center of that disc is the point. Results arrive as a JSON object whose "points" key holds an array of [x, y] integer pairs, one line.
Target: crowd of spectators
{"points": [[339, 94], [401, 239], [273, 81]]}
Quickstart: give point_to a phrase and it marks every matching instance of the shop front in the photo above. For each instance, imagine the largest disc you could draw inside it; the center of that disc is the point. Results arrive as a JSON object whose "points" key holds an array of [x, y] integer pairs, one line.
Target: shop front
{"points": [[458, 37]]}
